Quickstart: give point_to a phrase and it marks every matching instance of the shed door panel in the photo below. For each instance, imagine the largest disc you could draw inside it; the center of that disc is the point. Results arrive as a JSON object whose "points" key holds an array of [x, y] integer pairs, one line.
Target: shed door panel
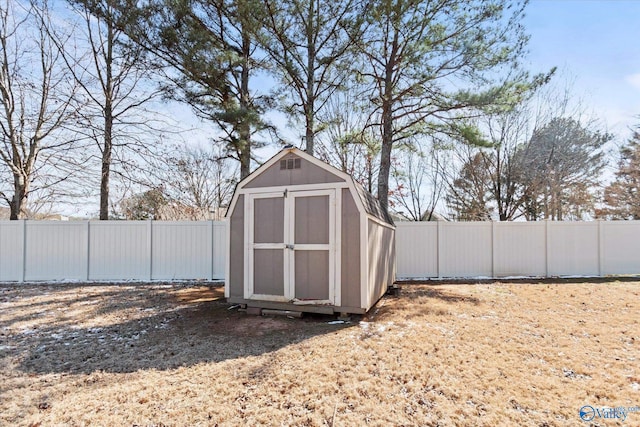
{"points": [[268, 272], [291, 241], [312, 266], [267, 247], [312, 220], [268, 220], [312, 275]]}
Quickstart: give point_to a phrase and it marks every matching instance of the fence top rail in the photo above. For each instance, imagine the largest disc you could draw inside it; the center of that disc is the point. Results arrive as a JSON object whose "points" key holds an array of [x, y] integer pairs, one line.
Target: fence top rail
{"points": [[519, 223], [106, 222]]}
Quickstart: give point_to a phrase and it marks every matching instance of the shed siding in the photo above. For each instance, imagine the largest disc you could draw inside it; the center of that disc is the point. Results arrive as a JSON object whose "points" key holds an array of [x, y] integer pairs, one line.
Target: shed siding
{"points": [[350, 252], [307, 174], [236, 250], [381, 252], [366, 264]]}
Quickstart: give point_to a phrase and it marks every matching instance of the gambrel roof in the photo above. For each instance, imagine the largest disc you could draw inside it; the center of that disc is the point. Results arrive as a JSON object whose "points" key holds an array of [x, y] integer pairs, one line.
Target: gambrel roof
{"points": [[287, 158]]}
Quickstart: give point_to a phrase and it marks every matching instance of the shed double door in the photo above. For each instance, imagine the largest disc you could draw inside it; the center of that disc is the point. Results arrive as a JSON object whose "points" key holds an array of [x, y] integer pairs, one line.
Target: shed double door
{"points": [[291, 246]]}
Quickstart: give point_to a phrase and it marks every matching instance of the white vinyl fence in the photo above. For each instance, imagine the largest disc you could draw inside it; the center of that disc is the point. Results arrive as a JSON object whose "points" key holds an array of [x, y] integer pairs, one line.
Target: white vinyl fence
{"points": [[508, 249], [112, 250], [164, 250]]}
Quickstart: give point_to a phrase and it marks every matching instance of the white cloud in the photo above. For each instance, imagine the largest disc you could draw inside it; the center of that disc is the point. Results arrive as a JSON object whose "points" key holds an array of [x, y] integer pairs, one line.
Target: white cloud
{"points": [[633, 80]]}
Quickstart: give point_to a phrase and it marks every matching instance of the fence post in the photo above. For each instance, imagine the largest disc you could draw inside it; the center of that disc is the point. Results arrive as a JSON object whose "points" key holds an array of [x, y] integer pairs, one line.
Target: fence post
{"points": [[88, 252], [212, 251], [23, 273], [439, 249], [600, 248], [547, 245], [150, 247], [493, 249]]}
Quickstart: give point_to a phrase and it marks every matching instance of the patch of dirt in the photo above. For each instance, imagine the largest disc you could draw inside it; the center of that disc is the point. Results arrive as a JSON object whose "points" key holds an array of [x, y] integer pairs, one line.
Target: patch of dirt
{"points": [[177, 354]]}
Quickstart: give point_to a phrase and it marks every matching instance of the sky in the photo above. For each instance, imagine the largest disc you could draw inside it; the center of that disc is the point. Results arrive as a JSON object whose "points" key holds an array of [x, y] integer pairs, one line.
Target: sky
{"points": [[597, 44], [594, 43]]}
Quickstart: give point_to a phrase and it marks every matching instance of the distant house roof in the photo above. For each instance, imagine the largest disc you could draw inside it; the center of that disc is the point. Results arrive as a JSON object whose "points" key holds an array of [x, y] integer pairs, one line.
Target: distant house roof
{"points": [[434, 217]]}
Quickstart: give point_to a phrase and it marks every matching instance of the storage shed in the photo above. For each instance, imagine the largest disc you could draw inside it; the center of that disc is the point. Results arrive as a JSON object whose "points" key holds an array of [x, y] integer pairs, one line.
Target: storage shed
{"points": [[304, 236]]}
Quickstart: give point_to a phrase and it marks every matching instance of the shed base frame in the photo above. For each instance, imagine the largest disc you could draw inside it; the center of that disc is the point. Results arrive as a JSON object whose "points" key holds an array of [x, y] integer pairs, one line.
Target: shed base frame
{"points": [[319, 309]]}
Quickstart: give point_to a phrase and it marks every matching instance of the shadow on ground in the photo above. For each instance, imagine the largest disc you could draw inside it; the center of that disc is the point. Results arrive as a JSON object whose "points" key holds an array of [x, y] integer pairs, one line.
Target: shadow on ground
{"points": [[167, 329], [415, 300], [434, 292]]}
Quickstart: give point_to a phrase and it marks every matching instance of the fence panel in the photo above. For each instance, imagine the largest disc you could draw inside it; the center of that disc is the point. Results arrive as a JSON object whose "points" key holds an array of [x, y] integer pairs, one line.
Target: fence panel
{"points": [[219, 250], [119, 250], [519, 249], [417, 249], [573, 248], [144, 250], [620, 247], [465, 249], [11, 250], [181, 250], [56, 250]]}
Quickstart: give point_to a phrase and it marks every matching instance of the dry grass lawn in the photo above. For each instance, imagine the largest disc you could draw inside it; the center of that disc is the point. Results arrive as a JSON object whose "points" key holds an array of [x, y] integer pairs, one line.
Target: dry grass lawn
{"points": [[438, 354]]}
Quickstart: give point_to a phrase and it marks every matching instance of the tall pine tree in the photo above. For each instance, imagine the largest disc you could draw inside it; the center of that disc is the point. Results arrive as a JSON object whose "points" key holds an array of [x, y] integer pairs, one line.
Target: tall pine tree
{"points": [[622, 196]]}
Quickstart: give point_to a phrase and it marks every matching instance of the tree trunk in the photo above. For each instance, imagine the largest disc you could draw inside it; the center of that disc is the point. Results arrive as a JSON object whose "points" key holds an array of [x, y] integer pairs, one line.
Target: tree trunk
{"points": [[310, 89], [106, 166], [309, 135], [19, 195], [244, 127], [385, 154], [387, 130], [108, 126], [370, 173]]}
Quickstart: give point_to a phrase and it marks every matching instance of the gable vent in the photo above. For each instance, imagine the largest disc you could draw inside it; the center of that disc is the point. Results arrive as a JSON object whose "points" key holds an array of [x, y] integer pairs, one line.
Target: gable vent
{"points": [[290, 164]]}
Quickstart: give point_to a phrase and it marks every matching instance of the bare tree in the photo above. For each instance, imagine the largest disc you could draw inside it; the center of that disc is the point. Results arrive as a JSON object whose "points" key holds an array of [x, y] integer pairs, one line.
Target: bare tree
{"points": [[347, 142], [545, 173], [417, 182], [197, 184], [469, 192], [541, 160], [36, 100], [115, 82], [496, 168], [148, 204], [201, 180]]}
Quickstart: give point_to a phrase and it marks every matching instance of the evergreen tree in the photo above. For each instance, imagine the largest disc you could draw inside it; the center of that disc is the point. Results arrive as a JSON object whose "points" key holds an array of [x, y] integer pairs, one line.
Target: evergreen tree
{"points": [[622, 196], [430, 61], [208, 51], [563, 161], [308, 42]]}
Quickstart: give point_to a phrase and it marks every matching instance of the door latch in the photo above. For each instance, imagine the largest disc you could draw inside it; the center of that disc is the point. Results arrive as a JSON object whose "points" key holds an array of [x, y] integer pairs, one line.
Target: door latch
{"points": [[289, 246]]}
